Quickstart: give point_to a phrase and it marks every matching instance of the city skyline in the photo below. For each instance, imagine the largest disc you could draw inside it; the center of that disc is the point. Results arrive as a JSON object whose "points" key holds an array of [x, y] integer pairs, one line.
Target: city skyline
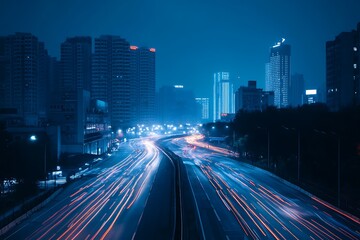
{"points": [[163, 25], [179, 119]]}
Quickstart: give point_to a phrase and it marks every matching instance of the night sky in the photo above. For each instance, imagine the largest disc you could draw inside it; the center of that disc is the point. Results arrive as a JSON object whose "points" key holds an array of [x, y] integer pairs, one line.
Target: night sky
{"points": [[194, 39]]}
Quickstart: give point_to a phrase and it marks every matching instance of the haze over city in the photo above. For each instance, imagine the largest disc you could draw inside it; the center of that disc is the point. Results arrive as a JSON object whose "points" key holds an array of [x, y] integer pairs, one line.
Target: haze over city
{"points": [[194, 39], [134, 119]]}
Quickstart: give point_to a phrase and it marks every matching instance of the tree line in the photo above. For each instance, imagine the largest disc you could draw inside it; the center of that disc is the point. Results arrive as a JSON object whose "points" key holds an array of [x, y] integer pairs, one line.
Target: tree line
{"points": [[312, 134]]}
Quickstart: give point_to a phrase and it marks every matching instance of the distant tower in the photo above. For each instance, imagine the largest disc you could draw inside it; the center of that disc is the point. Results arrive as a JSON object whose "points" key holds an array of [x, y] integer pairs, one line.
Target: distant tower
{"points": [[223, 95], [24, 77], [342, 70], [177, 105], [278, 77], [268, 83], [248, 98], [296, 90], [111, 78], [204, 107], [143, 78]]}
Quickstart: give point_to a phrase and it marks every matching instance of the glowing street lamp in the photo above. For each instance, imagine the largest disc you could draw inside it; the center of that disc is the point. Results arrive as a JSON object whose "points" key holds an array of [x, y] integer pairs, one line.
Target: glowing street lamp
{"points": [[33, 138]]}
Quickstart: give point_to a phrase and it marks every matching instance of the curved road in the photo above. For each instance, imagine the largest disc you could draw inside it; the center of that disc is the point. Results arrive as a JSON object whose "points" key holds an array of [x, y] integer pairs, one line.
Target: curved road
{"points": [[248, 202], [107, 203]]}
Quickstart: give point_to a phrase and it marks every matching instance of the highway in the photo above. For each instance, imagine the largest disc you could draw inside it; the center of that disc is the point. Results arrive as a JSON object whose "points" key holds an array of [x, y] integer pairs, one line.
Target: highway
{"points": [[109, 201], [235, 200]]}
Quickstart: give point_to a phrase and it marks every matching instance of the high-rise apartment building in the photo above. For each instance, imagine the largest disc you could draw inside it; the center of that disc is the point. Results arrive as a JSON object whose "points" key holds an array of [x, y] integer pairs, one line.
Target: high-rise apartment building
{"points": [[278, 73], [84, 123], [268, 83], [143, 79], [223, 95], [111, 78], [76, 63], [24, 77], [342, 70]]}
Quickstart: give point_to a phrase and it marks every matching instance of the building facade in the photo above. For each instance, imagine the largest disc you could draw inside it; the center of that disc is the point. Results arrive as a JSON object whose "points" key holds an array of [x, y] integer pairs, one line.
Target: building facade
{"points": [[84, 123], [24, 78], [204, 108], [111, 78], [342, 70], [267, 99], [223, 95], [251, 98], [143, 79], [71, 106], [278, 73], [296, 90], [248, 98], [76, 63]]}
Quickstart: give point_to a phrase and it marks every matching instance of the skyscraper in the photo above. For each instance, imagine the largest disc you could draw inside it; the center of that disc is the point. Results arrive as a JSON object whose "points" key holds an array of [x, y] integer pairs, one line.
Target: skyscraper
{"points": [[278, 73], [268, 83], [76, 63], [111, 78], [223, 95], [342, 70], [142, 75], [24, 77]]}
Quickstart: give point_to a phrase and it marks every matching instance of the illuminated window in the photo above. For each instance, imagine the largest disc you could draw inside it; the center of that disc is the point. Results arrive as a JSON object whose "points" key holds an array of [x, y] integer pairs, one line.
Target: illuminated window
{"points": [[355, 49], [355, 65]]}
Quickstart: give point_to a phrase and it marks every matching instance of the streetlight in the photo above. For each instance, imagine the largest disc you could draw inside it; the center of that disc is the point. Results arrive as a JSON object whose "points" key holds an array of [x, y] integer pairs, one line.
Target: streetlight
{"points": [[33, 138]]}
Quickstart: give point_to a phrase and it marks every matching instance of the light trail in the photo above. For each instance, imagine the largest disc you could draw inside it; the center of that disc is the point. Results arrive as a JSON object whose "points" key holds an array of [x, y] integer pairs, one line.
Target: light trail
{"points": [[102, 200], [260, 210]]}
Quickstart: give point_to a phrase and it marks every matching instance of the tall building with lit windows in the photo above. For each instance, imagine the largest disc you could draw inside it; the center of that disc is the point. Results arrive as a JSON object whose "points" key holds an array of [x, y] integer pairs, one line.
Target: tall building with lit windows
{"points": [[142, 74], [111, 78], [223, 95], [342, 70], [24, 78], [204, 108], [278, 73], [268, 83]]}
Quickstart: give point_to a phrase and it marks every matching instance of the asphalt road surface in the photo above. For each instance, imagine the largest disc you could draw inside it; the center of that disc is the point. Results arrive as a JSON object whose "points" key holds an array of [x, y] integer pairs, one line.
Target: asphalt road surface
{"points": [[240, 201], [108, 202]]}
